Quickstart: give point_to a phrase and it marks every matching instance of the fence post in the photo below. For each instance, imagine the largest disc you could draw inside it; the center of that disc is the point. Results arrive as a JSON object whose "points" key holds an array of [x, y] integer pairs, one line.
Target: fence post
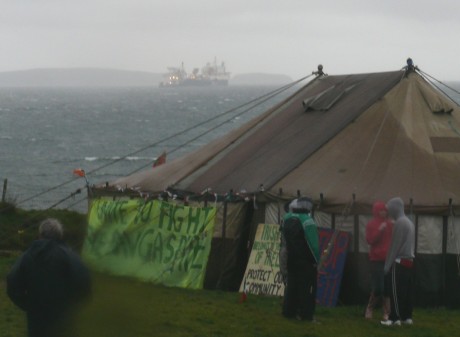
{"points": [[5, 184]]}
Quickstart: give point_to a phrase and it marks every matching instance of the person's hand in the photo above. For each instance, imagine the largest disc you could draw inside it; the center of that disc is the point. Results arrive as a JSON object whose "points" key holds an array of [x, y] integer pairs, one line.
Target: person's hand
{"points": [[382, 226]]}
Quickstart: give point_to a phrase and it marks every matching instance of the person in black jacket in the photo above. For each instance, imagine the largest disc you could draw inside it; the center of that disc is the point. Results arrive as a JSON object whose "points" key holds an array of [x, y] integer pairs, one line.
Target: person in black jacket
{"points": [[299, 256], [47, 282]]}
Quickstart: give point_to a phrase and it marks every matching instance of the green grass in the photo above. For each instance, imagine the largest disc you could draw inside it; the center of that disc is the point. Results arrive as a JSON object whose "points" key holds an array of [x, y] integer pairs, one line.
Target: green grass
{"points": [[128, 308], [18, 227]]}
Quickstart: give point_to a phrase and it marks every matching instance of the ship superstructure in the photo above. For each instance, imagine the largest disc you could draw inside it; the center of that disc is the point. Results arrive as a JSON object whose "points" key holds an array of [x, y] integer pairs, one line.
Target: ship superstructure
{"points": [[212, 74]]}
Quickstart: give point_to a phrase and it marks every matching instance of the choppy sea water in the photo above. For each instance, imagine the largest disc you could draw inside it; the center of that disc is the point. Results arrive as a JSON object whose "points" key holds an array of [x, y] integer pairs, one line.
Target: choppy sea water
{"points": [[46, 133]]}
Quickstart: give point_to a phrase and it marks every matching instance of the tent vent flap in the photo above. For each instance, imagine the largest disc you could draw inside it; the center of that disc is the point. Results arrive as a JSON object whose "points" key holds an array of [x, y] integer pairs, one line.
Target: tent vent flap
{"points": [[326, 99]]}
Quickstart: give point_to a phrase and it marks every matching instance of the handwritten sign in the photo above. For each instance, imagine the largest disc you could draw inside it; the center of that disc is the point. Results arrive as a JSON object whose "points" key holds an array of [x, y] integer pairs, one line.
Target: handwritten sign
{"points": [[263, 277], [150, 240]]}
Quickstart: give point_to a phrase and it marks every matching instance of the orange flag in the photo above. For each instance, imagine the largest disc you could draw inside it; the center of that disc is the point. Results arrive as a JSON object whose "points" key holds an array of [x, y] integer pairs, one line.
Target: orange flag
{"points": [[79, 172]]}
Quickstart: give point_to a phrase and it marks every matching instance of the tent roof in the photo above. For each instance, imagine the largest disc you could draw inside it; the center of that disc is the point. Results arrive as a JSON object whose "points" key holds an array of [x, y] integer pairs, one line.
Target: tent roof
{"points": [[373, 136]]}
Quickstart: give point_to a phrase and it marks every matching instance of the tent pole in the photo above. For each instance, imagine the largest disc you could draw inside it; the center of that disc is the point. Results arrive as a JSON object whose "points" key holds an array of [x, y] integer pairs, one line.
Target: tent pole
{"points": [[411, 209], [223, 254], [355, 226], [414, 220], [279, 208], [445, 228], [356, 233], [224, 217], [5, 185], [443, 263]]}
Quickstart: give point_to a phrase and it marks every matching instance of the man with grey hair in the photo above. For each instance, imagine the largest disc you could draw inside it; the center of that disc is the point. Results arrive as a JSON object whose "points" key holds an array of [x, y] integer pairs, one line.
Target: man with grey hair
{"points": [[47, 282], [399, 263], [51, 229]]}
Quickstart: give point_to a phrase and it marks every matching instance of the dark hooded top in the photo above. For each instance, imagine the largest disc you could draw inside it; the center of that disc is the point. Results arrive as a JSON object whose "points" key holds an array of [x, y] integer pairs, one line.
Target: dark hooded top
{"points": [[301, 239], [47, 281]]}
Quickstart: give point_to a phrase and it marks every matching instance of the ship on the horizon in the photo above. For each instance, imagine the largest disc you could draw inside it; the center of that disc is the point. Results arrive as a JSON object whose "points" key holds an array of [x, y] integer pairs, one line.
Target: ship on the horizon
{"points": [[212, 74]]}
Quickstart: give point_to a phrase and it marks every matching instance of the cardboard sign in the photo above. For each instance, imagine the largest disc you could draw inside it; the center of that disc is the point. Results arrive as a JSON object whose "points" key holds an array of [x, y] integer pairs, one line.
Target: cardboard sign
{"points": [[263, 276]]}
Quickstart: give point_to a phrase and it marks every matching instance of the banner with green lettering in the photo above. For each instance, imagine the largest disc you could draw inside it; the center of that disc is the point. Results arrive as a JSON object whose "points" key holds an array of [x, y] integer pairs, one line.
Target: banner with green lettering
{"points": [[151, 240]]}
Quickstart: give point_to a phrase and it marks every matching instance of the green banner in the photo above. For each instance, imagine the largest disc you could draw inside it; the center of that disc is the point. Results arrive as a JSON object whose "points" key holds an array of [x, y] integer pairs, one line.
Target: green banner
{"points": [[153, 241]]}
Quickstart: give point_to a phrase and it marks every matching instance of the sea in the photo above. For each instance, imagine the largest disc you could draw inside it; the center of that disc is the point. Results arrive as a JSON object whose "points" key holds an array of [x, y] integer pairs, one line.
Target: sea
{"points": [[47, 133]]}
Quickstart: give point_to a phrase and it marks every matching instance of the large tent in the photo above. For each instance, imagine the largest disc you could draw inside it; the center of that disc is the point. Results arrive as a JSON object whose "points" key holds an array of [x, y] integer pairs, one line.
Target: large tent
{"points": [[345, 141]]}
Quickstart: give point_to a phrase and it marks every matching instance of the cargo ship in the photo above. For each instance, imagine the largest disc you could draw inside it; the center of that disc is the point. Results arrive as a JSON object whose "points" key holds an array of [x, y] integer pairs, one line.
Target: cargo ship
{"points": [[212, 74]]}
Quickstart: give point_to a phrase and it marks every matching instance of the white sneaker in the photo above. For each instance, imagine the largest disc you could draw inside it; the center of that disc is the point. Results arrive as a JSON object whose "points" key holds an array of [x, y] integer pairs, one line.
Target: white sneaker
{"points": [[390, 323], [408, 321]]}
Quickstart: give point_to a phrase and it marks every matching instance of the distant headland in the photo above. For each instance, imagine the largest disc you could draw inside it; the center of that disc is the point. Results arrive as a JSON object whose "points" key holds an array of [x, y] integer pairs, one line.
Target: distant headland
{"points": [[86, 77]]}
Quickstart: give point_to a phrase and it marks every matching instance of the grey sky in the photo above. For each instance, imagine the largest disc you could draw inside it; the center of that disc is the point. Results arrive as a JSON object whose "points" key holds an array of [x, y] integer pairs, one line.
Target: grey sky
{"points": [[285, 37]]}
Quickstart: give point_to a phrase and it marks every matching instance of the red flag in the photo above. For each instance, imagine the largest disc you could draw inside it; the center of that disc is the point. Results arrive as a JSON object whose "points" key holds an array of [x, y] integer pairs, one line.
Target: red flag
{"points": [[243, 297], [79, 172], [160, 160]]}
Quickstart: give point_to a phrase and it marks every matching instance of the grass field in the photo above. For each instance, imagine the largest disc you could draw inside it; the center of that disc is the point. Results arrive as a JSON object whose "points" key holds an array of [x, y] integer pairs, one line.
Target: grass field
{"points": [[127, 308]]}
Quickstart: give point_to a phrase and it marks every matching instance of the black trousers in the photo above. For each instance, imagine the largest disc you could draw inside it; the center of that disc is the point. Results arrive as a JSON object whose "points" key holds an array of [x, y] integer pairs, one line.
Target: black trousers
{"points": [[402, 292], [300, 293]]}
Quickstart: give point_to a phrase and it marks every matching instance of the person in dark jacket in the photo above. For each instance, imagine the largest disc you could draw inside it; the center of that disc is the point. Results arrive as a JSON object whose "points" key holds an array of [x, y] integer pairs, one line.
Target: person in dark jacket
{"points": [[47, 282], [300, 247]]}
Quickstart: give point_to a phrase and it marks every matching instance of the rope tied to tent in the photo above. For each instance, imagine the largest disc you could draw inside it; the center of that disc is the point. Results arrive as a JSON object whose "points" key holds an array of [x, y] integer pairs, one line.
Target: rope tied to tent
{"points": [[430, 80], [257, 102]]}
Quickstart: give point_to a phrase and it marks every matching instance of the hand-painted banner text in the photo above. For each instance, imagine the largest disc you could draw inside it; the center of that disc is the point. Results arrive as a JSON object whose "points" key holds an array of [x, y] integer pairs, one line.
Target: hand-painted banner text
{"points": [[151, 240]]}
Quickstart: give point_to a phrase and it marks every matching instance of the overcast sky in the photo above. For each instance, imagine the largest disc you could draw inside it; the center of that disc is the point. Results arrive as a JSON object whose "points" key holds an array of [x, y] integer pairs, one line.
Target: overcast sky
{"points": [[282, 37]]}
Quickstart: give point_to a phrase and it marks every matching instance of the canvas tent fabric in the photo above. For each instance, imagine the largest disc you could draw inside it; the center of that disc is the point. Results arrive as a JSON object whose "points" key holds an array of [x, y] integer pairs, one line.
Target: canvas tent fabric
{"points": [[372, 135], [344, 141], [389, 150]]}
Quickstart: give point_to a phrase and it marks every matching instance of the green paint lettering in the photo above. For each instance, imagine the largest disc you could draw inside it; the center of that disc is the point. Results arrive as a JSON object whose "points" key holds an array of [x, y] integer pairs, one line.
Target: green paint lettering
{"points": [[193, 220], [169, 248], [145, 246], [157, 252], [164, 218], [144, 212], [178, 218]]}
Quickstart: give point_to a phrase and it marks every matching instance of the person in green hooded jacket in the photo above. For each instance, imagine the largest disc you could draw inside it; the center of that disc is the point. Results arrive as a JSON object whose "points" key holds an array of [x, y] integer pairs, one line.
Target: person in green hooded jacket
{"points": [[299, 257]]}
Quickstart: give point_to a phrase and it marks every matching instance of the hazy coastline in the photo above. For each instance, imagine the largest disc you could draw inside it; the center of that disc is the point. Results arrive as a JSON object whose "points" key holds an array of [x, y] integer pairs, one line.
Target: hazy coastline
{"points": [[86, 77]]}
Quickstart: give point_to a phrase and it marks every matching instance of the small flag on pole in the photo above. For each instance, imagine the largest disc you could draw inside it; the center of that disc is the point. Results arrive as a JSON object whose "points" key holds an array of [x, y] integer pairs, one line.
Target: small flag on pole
{"points": [[79, 172], [160, 160]]}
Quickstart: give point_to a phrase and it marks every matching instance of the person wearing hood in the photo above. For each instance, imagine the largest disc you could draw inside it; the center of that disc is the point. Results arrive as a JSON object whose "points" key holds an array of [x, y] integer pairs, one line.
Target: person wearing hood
{"points": [[47, 282], [399, 264], [299, 257], [378, 236]]}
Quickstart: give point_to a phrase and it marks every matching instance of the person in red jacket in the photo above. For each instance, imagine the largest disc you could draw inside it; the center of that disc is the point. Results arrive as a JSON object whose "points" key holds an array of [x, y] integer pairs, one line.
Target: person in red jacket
{"points": [[378, 236]]}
